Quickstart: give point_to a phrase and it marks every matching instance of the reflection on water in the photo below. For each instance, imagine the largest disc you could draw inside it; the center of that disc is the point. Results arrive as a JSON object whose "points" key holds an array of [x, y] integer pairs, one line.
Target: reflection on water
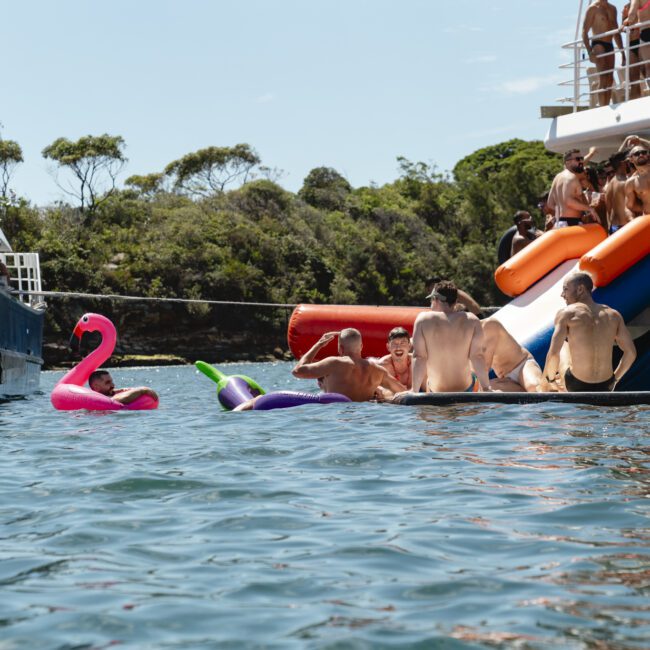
{"points": [[346, 526]]}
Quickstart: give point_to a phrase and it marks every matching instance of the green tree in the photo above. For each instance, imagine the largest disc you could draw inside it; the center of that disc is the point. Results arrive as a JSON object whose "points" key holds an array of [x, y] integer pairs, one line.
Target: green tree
{"points": [[325, 188], [10, 155], [146, 185], [208, 171], [94, 162]]}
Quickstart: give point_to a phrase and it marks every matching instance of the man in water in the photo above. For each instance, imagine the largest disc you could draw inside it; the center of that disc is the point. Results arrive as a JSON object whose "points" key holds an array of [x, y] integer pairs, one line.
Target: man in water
{"points": [[591, 331], [600, 18], [101, 382], [514, 366], [398, 361], [565, 197], [637, 187], [617, 213], [446, 344], [348, 373], [526, 232]]}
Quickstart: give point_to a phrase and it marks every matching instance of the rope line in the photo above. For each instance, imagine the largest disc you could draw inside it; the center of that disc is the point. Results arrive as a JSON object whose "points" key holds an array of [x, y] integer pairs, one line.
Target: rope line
{"points": [[110, 296]]}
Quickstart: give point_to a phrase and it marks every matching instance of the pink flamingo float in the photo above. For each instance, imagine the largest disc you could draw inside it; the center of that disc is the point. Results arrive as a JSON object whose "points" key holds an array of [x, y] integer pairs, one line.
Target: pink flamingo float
{"points": [[70, 394]]}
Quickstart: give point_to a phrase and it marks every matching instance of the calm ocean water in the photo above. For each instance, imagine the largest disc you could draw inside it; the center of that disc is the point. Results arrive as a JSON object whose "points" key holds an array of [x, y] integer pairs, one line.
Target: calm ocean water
{"points": [[346, 526]]}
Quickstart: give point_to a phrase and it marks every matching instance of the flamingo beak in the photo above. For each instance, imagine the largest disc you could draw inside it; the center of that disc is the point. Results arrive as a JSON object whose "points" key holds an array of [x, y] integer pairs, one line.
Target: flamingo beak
{"points": [[75, 339]]}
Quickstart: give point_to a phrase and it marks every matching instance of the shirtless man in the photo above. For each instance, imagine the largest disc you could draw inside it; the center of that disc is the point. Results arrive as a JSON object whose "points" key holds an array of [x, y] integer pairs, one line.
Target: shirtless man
{"points": [[565, 197], [617, 213], [445, 341], [514, 366], [348, 373], [600, 18], [523, 236], [398, 361], [637, 187], [464, 302], [591, 331], [101, 382], [640, 13], [635, 69]]}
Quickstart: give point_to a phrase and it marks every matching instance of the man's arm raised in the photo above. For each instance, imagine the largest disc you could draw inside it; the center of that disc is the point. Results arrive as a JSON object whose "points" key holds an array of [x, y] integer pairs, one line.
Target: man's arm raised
{"points": [[305, 369]]}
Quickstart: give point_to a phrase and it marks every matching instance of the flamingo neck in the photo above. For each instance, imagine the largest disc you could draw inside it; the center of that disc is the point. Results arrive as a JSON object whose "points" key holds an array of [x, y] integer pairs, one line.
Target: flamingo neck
{"points": [[80, 373]]}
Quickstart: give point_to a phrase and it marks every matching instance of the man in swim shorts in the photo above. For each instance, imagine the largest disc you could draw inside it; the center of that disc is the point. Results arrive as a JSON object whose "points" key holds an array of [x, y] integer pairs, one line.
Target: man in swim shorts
{"points": [[600, 17], [617, 213], [591, 331], [515, 368], [637, 187], [348, 373], [101, 382], [399, 360], [448, 346], [565, 197]]}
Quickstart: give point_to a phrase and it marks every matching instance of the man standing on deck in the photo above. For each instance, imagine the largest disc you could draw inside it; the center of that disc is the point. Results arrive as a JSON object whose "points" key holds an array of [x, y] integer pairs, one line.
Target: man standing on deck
{"points": [[637, 187], [640, 13], [446, 344], [591, 331], [617, 213], [600, 18], [348, 373], [565, 197]]}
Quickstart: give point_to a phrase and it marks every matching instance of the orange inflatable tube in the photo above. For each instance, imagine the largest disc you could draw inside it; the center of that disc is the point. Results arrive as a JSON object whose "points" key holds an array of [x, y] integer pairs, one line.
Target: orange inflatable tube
{"points": [[619, 252], [540, 257], [309, 322]]}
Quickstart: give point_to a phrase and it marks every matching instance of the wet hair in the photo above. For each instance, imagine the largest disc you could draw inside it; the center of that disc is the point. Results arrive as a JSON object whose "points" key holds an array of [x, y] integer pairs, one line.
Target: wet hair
{"points": [[97, 374], [519, 215], [398, 333], [582, 278], [570, 153], [445, 291]]}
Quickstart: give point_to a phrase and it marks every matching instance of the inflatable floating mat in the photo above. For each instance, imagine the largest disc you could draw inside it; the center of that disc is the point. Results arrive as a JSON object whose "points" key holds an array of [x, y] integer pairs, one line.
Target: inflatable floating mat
{"points": [[597, 399]]}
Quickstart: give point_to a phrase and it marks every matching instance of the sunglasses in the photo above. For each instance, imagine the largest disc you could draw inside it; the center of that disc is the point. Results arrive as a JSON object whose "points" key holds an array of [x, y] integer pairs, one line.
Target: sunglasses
{"points": [[578, 158], [643, 152]]}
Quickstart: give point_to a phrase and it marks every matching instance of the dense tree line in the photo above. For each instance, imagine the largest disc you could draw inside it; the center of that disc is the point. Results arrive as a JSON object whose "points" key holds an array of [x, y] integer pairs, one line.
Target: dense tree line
{"points": [[213, 225]]}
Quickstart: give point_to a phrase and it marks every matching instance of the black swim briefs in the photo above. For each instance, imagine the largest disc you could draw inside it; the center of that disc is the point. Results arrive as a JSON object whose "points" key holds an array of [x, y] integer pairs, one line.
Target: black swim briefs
{"points": [[608, 46], [574, 385]]}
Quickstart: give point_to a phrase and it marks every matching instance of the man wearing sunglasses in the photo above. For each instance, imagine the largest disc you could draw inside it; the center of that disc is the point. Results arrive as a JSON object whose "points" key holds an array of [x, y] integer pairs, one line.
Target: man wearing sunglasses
{"points": [[617, 213], [566, 198], [637, 188]]}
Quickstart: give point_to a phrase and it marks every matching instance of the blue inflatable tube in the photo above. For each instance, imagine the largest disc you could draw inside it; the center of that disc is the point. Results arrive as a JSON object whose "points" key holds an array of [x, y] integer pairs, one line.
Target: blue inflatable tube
{"points": [[285, 399]]}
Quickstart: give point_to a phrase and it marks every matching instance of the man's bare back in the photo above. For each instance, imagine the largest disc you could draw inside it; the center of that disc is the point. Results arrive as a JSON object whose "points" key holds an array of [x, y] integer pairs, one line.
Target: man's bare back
{"points": [[513, 365], [617, 213], [348, 374], [446, 344]]}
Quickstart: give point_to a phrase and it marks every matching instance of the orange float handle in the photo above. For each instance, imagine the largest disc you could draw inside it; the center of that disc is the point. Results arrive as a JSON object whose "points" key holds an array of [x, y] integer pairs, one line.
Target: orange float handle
{"points": [[619, 252], [540, 257]]}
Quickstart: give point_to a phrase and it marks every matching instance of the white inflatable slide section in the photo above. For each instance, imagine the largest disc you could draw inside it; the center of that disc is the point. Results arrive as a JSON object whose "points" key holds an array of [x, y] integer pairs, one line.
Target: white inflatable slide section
{"points": [[533, 312]]}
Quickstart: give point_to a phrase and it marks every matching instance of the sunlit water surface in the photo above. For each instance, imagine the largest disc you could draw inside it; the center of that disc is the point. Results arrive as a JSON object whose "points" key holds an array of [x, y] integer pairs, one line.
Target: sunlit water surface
{"points": [[342, 526]]}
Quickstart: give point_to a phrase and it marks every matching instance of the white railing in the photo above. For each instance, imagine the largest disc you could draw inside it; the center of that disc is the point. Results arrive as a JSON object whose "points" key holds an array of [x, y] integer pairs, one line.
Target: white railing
{"points": [[25, 275], [584, 79]]}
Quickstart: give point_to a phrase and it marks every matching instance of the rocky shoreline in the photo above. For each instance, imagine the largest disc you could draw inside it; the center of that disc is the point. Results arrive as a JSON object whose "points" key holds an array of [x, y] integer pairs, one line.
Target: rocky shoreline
{"points": [[165, 349]]}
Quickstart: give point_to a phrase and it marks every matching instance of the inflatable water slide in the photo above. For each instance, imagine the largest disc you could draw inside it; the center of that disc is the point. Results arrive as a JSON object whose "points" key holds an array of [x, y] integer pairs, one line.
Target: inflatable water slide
{"points": [[619, 266]]}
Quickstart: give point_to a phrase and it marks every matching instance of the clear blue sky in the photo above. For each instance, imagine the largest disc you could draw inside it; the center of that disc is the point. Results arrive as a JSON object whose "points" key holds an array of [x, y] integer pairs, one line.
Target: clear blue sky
{"points": [[350, 84]]}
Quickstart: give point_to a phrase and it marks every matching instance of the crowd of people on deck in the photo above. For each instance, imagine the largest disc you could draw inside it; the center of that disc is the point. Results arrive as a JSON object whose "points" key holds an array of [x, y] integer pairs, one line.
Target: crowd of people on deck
{"points": [[600, 31]]}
